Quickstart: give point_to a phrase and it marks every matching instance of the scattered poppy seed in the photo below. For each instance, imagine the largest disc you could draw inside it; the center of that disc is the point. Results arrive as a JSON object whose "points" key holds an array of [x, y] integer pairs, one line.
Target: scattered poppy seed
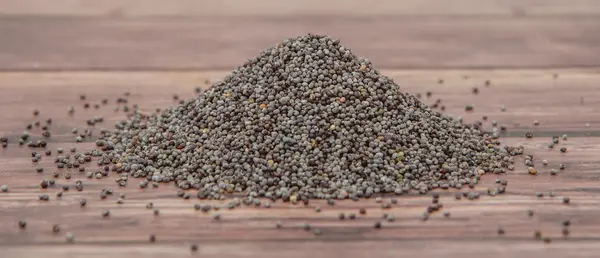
{"points": [[156, 211], [351, 216], [39, 170], [565, 231], [22, 224], [59, 194], [566, 223], [55, 228], [547, 240], [501, 231], [70, 237], [530, 213], [562, 166], [528, 135], [539, 194], [544, 162], [536, 122], [563, 149], [362, 211], [537, 234], [316, 231], [152, 238], [4, 188], [377, 225], [44, 197], [307, 227], [318, 209], [278, 225], [341, 216], [468, 108], [105, 213], [390, 218], [82, 202], [564, 137], [149, 205], [457, 196]]}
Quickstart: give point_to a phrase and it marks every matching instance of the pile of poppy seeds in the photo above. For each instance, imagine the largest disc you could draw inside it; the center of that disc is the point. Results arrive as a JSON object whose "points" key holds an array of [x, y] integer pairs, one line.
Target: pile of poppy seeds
{"points": [[305, 119]]}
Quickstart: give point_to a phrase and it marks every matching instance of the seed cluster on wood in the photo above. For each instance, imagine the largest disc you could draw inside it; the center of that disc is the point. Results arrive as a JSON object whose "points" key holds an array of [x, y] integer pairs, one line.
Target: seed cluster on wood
{"points": [[296, 138]]}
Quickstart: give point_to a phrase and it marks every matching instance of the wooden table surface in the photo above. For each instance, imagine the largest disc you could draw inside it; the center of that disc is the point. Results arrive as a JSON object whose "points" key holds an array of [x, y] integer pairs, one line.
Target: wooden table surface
{"points": [[52, 53]]}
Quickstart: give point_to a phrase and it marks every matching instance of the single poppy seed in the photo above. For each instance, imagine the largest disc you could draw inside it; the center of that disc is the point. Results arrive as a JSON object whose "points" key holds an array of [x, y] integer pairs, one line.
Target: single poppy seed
{"points": [[22, 224], [70, 237]]}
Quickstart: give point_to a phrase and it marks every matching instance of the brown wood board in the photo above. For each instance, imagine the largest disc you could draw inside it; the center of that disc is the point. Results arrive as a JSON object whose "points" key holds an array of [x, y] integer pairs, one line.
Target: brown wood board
{"points": [[569, 104]]}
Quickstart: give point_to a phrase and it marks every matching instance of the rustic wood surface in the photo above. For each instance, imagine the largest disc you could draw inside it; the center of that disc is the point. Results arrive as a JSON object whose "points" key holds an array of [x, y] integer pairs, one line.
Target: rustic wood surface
{"points": [[208, 35], [53, 51], [528, 95]]}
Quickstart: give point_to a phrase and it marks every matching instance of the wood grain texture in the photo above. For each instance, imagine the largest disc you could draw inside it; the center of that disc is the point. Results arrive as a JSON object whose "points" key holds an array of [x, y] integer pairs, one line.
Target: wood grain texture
{"points": [[250, 232], [200, 35], [145, 8]]}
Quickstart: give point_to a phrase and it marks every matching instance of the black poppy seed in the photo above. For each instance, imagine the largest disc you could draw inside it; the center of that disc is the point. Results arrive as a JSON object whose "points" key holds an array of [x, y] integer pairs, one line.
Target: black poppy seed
{"points": [[39, 170], [4, 144], [44, 197], [65, 188], [537, 234], [377, 225], [55, 228], [307, 227], [468, 108], [22, 224], [105, 213], [563, 149], [156, 211], [547, 240], [44, 184], [457, 196], [331, 202], [562, 166], [59, 194], [501, 231], [351, 216], [539, 194], [341, 216], [530, 213], [566, 223], [362, 211], [528, 135]]}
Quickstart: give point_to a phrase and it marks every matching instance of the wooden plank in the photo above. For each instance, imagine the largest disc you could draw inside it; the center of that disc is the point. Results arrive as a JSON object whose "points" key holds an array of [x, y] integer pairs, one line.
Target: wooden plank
{"points": [[250, 231], [528, 95], [137, 8], [201, 43]]}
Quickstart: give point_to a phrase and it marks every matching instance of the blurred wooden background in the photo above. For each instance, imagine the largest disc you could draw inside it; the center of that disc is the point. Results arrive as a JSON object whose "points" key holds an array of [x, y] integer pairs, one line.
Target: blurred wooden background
{"points": [[197, 34], [53, 50]]}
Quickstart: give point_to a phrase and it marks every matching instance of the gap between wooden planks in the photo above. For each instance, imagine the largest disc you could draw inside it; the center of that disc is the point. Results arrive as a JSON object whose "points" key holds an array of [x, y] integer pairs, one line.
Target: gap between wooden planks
{"points": [[471, 230]]}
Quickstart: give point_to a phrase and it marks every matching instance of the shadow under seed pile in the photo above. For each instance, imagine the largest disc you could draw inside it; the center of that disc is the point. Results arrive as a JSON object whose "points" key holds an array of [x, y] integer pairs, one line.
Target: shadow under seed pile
{"points": [[309, 119]]}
